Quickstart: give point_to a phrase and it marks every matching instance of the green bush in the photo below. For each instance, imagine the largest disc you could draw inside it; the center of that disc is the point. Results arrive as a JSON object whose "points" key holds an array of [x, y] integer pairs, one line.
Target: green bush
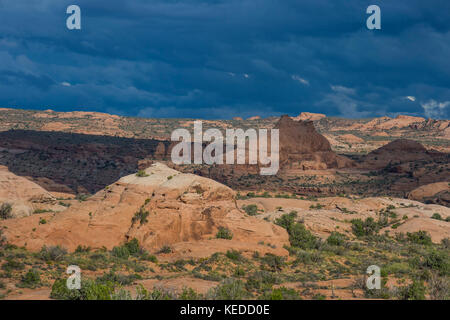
{"points": [[438, 261], [120, 252], [90, 290], [281, 293], [261, 280], [273, 262], [52, 253], [11, 265], [336, 239], [117, 278], [141, 173], [5, 211], [436, 216], [298, 235], [419, 237], [224, 233], [415, 291], [364, 228], [229, 289], [251, 209], [234, 255], [165, 249], [140, 216], [32, 279]]}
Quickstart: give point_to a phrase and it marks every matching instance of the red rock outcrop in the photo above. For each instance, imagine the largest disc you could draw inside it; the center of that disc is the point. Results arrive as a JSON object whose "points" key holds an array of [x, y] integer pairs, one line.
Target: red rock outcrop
{"points": [[302, 147], [304, 116], [166, 207]]}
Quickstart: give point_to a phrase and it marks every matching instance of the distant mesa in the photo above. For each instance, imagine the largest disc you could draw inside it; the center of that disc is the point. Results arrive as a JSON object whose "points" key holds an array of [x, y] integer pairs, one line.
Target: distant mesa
{"points": [[254, 118], [238, 118], [309, 116]]}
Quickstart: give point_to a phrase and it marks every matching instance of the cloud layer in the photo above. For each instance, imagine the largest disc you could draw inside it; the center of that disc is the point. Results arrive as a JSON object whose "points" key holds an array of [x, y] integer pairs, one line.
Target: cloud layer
{"points": [[224, 58]]}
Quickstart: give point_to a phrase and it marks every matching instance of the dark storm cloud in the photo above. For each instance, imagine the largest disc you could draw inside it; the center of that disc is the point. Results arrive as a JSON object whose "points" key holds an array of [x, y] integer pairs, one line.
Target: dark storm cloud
{"points": [[218, 59]]}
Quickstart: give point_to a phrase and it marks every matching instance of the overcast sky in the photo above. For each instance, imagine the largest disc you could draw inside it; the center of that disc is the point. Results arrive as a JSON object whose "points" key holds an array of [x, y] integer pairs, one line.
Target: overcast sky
{"points": [[225, 58]]}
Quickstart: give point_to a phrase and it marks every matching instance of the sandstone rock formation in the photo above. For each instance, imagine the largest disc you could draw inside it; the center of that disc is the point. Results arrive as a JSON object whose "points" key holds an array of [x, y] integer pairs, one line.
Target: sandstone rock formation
{"points": [[166, 207], [302, 147], [304, 116], [23, 195], [438, 193], [397, 152]]}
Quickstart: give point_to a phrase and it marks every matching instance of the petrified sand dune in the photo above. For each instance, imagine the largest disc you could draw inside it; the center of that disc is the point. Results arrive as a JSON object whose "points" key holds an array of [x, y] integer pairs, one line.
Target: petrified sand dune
{"points": [[164, 208], [21, 193], [337, 212], [438, 193]]}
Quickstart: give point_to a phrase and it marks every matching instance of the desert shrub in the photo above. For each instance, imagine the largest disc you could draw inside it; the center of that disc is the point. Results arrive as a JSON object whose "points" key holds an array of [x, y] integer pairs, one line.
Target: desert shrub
{"points": [[419, 237], [32, 279], [438, 261], [224, 233], [316, 207], [156, 294], [82, 197], [308, 257], [120, 252], [444, 242], [439, 287], [140, 216], [364, 228], [301, 238], [414, 291], [336, 239], [229, 289], [82, 249], [149, 257], [189, 294], [52, 253], [90, 290], [261, 280], [165, 249], [133, 246], [273, 262], [251, 209], [436, 216], [2, 239], [141, 173], [11, 265], [298, 235], [117, 278], [397, 268], [281, 293], [42, 221], [234, 255], [5, 211], [2, 285], [286, 220]]}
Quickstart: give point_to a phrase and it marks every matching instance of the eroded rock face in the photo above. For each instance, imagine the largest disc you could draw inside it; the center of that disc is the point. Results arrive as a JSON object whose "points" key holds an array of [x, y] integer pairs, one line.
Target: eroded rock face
{"points": [[21, 194], [302, 147], [438, 193], [166, 207]]}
